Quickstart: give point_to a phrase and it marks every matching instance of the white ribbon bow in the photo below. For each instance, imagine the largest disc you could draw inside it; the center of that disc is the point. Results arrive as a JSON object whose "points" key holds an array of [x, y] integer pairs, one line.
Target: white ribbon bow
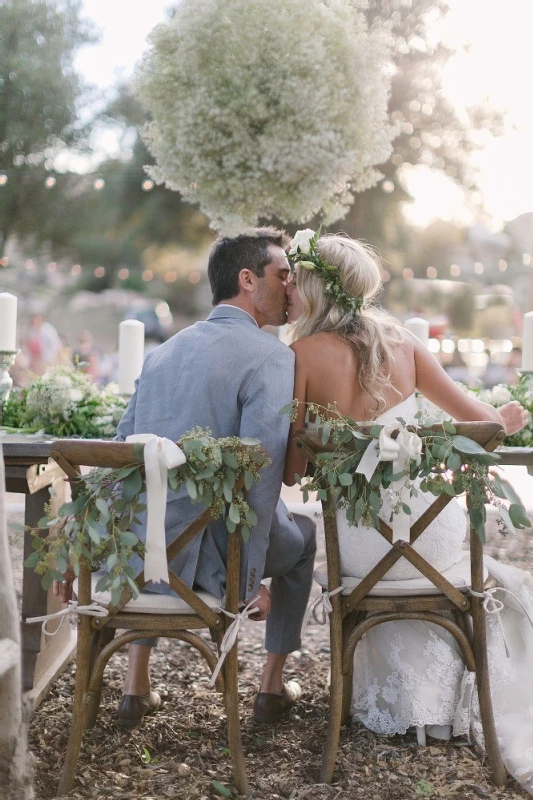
{"points": [[160, 455], [321, 604], [230, 637], [92, 610], [494, 606], [406, 447]]}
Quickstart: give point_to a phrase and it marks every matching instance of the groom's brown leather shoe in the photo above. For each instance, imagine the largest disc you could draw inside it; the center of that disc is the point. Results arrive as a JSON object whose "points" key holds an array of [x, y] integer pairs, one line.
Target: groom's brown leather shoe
{"points": [[134, 707], [271, 707]]}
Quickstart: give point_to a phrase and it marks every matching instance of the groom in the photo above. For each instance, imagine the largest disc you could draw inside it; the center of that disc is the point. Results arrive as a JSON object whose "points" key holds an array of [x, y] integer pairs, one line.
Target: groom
{"points": [[228, 375]]}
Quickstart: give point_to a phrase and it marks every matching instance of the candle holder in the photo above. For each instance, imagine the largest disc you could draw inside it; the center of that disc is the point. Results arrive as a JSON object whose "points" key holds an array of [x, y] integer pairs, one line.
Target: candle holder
{"points": [[7, 359]]}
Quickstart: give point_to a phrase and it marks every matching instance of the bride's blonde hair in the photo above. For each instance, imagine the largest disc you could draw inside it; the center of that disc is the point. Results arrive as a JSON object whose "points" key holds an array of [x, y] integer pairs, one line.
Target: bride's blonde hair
{"points": [[372, 333]]}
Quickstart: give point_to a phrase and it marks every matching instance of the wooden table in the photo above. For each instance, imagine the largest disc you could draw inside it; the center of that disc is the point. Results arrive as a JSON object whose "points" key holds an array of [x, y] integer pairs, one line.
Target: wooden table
{"points": [[28, 472]]}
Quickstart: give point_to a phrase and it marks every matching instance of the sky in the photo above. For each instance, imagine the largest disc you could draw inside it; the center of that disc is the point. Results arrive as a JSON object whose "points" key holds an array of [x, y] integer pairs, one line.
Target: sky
{"points": [[497, 66]]}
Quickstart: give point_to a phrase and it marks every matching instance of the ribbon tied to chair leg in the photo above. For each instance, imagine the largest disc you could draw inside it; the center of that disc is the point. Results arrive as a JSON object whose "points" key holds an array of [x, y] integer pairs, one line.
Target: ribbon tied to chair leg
{"points": [[406, 447], [94, 609], [160, 455], [494, 606], [320, 609], [231, 635]]}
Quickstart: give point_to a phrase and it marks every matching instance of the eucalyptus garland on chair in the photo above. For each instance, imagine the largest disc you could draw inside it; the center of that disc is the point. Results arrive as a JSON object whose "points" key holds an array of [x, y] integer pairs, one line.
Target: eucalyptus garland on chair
{"points": [[97, 523], [438, 461]]}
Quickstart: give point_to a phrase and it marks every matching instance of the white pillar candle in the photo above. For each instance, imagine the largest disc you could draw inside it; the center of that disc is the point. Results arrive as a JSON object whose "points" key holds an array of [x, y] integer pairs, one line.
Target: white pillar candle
{"points": [[130, 354], [8, 322], [419, 327], [527, 342]]}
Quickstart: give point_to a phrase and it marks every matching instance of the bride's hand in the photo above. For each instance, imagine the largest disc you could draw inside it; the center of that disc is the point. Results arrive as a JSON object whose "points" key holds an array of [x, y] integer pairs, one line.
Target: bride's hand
{"points": [[513, 416]]}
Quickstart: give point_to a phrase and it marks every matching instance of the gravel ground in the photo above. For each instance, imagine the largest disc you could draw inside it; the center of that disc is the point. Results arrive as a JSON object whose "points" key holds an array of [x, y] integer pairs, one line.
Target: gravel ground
{"points": [[181, 752]]}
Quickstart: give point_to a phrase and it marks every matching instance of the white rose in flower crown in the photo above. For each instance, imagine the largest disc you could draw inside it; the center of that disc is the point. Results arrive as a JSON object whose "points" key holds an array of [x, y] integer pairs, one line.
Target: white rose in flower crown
{"points": [[60, 380], [501, 395], [301, 240]]}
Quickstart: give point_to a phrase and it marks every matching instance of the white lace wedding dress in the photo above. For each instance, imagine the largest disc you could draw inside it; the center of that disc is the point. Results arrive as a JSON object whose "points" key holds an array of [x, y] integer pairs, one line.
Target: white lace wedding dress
{"points": [[410, 673]]}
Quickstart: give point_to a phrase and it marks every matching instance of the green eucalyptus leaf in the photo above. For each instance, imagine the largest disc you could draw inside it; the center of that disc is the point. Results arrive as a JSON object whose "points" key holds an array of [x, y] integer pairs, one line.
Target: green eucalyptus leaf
{"points": [[234, 514], [518, 515], [32, 560], [102, 507], [128, 538], [345, 479], [132, 485], [465, 445], [191, 488]]}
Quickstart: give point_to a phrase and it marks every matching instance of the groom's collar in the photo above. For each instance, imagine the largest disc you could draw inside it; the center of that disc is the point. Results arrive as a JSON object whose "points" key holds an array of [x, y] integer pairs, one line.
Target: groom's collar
{"points": [[224, 310]]}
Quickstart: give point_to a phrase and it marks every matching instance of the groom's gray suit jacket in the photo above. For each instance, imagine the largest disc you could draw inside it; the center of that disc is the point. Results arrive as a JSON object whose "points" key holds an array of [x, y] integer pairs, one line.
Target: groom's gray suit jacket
{"points": [[227, 375]]}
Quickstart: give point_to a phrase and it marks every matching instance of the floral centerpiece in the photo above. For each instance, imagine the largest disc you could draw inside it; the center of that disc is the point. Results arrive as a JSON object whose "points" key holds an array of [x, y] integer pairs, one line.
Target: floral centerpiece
{"points": [[435, 459], [64, 402], [504, 393], [264, 110], [99, 524]]}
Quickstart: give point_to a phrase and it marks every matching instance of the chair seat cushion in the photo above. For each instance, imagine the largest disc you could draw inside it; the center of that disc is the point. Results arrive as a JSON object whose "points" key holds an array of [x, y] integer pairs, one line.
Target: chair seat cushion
{"points": [[152, 602], [458, 575]]}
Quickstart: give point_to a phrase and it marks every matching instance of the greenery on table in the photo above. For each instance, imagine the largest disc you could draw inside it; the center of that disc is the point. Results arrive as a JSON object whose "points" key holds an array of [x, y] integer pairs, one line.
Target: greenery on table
{"points": [[504, 393], [64, 402], [442, 462], [99, 522]]}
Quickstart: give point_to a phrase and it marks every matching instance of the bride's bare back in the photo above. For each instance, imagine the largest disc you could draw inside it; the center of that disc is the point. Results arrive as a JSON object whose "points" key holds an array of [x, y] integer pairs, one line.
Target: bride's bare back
{"points": [[329, 367], [327, 372]]}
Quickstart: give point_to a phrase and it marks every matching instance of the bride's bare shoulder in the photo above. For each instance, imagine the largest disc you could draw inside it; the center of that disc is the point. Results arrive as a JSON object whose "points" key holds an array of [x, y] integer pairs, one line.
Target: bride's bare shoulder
{"points": [[317, 344]]}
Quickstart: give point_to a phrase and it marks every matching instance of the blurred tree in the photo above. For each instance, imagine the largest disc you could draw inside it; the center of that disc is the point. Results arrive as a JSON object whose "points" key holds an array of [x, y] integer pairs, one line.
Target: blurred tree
{"points": [[461, 309], [432, 132], [39, 94]]}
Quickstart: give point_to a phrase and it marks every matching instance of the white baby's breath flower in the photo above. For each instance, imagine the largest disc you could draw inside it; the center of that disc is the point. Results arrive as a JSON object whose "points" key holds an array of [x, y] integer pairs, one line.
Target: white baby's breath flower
{"points": [[267, 109], [61, 380], [301, 240], [500, 395], [75, 395]]}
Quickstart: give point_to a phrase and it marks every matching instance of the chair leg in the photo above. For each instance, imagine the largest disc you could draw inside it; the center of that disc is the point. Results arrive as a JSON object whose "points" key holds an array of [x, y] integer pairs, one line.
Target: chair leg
{"points": [[335, 700], [98, 642], [78, 706], [497, 767], [347, 687], [231, 700]]}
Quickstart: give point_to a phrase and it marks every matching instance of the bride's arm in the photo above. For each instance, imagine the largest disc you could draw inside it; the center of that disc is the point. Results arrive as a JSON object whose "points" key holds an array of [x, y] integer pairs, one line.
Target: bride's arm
{"points": [[435, 384], [295, 460]]}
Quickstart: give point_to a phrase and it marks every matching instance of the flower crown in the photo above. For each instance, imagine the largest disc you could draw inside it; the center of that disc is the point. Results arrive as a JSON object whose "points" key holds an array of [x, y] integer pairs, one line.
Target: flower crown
{"points": [[303, 251]]}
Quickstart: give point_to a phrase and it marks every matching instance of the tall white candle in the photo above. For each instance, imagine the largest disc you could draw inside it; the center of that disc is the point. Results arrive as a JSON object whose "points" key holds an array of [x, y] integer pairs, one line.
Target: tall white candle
{"points": [[527, 342], [130, 354], [8, 321], [419, 327]]}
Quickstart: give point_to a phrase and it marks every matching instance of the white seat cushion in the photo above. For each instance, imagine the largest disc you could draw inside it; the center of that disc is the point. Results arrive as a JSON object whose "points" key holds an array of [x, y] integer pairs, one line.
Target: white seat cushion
{"points": [[458, 575], [152, 603]]}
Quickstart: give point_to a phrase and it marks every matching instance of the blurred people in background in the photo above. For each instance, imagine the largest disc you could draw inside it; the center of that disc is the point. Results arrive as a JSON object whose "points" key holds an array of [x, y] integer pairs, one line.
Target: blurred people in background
{"points": [[494, 373], [43, 345], [514, 365], [86, 356], [457, 369]]}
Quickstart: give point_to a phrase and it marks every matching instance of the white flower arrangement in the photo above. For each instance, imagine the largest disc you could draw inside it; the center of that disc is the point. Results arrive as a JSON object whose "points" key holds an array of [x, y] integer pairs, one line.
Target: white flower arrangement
{"points": [[264, 110], [65, 402]]}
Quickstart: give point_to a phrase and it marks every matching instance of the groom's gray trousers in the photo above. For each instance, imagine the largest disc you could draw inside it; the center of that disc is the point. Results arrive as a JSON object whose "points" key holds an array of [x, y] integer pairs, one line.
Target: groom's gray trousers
{"points": [[289, 563]]}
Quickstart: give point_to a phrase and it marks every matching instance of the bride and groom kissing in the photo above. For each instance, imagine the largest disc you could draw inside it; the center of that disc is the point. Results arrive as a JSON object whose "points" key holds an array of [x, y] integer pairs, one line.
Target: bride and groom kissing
{"points": [[228, 375]]}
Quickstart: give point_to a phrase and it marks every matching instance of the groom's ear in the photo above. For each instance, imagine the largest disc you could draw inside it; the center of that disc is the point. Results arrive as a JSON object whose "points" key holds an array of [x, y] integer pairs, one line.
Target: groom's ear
{"points": [[246, 280]]}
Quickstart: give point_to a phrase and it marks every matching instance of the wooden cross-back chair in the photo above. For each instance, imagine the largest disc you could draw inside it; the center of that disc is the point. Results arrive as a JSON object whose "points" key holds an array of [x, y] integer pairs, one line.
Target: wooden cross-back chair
{"points": [[156, 615], [371, 601]]}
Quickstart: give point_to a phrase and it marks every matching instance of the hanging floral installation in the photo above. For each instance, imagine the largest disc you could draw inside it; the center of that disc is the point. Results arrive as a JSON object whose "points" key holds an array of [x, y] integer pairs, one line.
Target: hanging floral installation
{"points": [[267, 110]]}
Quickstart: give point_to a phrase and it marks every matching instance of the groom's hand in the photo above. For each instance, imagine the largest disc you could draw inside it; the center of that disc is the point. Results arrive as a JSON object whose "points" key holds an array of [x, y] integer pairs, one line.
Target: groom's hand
{"points": [[262, 603]]}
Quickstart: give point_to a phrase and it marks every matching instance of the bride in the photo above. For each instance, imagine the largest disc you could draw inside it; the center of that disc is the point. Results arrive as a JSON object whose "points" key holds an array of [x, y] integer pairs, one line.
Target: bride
{"points": [[352, 353]]}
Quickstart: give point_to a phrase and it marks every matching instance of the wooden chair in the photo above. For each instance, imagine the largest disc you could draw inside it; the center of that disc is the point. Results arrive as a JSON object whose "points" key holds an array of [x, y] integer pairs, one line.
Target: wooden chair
{"points": [[443, 603], [158, 615]]}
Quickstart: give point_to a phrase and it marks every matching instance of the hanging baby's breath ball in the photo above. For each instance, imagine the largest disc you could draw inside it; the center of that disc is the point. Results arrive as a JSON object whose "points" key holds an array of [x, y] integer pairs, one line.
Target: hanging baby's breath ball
{"points": [[266, 108]]}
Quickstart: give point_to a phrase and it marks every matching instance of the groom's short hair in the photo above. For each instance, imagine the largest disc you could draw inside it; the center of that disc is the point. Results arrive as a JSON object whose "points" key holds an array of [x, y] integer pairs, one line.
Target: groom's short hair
{"points": [[246, 251]]}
